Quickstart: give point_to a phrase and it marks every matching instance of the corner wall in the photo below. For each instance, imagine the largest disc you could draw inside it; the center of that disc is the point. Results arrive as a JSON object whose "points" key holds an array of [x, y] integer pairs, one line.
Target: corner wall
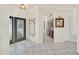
{"points": [[4, 29], [77, 29]]}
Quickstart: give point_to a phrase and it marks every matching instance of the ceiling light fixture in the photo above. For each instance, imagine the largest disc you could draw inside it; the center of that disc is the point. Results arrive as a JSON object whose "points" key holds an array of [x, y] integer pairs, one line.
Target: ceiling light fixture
{"points": [[22, 6]]}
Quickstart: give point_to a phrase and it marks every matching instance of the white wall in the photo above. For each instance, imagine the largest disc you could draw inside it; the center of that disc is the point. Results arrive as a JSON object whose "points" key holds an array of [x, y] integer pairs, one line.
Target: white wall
{"points": [[68, 28], [77, 28], [4, 29], [73, 26]]}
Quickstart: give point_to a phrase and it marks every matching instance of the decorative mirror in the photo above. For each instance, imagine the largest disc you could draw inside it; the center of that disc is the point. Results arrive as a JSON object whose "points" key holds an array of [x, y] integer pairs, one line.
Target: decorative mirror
{"points": [[32, 26]]}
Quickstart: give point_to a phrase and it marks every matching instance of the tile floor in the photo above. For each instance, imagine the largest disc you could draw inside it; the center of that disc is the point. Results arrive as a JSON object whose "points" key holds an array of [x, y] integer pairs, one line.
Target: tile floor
{"points": [[28, 47]]}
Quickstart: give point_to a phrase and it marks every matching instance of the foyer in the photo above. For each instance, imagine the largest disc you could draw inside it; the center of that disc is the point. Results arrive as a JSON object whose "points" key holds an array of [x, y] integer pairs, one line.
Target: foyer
{"points": [[39, 29]]}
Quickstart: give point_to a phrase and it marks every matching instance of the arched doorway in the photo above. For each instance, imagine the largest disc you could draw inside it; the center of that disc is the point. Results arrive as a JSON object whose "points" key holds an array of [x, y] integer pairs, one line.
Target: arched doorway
{"points": [[50, 28]]}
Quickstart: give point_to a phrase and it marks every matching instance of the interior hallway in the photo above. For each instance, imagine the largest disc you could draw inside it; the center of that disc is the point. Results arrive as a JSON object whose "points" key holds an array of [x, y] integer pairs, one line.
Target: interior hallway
{"points": [[28, 47]]}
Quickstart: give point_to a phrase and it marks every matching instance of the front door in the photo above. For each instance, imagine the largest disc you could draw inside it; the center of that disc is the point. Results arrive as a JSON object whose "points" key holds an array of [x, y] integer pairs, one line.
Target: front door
{"points": [[18, 29]]}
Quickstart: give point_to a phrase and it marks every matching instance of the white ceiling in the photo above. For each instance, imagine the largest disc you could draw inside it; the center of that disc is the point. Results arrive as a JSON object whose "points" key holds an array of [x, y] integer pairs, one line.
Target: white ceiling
{"points": [[56, 5], [61, 5]]}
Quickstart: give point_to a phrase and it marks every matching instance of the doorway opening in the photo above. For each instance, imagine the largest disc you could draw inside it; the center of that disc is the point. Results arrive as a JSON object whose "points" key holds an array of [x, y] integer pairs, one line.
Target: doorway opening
{"points": [[18, 29], [50, 28]]}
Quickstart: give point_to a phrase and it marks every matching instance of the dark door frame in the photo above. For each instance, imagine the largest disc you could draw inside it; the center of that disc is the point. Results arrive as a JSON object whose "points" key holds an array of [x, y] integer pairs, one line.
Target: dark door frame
{"points": [[14, 23]]}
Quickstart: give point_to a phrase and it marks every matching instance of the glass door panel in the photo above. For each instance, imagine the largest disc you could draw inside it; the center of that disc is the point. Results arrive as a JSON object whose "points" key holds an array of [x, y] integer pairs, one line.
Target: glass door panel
{"points": [[20, 29]]}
